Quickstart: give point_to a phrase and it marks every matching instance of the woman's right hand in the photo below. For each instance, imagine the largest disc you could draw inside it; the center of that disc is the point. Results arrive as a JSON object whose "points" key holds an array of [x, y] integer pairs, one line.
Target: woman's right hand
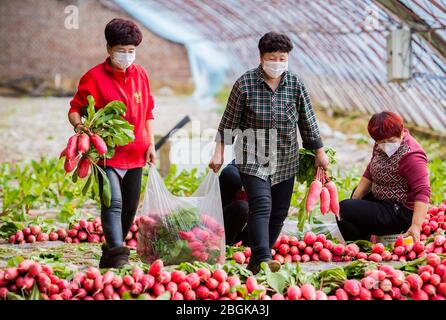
{"points": [[216, 161]]}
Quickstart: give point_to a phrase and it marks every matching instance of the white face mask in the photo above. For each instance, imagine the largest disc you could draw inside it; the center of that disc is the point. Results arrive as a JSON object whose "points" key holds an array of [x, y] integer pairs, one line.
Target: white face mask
{"points": [[390, 147], [123, 60], [275, 69]]}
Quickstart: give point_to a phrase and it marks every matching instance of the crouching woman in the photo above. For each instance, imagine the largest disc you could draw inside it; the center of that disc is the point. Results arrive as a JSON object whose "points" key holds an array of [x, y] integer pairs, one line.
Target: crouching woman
{"points": [[393, 194]]}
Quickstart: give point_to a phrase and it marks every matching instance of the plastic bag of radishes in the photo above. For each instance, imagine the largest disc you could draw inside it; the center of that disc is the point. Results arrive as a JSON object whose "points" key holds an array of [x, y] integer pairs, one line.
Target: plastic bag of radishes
{"points": [[181, 229]]}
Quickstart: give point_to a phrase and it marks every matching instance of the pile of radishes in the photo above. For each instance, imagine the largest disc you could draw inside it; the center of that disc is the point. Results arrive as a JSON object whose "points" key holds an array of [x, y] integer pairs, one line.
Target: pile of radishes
{"points": [[434, 222], [312, 248], [324, 189], [81, 231]]}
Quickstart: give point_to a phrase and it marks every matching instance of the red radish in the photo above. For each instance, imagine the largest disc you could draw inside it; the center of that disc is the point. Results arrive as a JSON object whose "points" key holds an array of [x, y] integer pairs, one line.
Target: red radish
{"points": [[325, 200], [339, 249], [202, 292], [83, 167], [352, 250], [158, 289], [24, 266], [99, 144], [239, 257], [441, 289], [294, 250], [368, 282], [341, 294], [19, 236], [440, 270], [284, 249], [313, 195], [399, 250], [190, 295], [294, 293], [325, 255], [34, 269], [361, 255], [234, 281], [62, 233], [293, 241], [377, 293], [3, 293], [385, 285], [397, 278], [178, 276], [83, 144], [35, 230], [375, 257], [12, 239], [70, 164], [378, 248], [156, 267], [71, 149], [420, 295], [433, 259], [194, 280], [128, 280], [178, 296], [425, 276], [247, 252], [53, 236], [223, 288], [365, 294], [93, 238], [183, 287], [321, 295], [92, 273], [418, 247], [297, 258], [212, 284], [317, 246], [439, 240], [82, 235], [435, 279], [405, 288], [68, 240], [147, 281], [308, 292], [352, 287], [43, 281], [220, 275], [399, 241], [301, 245], [414, 281], [412, 255], [137, 274], [251, 284], [334, 200], [309, 251], [11, 274], [309, 238], [72, 233]]}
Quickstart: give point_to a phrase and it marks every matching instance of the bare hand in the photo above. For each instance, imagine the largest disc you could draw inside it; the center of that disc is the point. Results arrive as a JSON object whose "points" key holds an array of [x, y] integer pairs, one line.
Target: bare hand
{"points": [[216, 162], [321, 159], [151, 155], [79, 128], [413, 231]]}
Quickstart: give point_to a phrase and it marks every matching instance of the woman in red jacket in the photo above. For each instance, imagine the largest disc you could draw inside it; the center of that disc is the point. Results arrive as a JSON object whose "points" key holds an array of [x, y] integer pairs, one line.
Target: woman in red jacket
{"points": [[117, 78], [393, 194]]}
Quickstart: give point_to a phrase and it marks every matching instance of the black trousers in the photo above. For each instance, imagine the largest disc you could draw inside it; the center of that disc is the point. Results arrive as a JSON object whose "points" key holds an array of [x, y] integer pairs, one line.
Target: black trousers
{"points": [[268, 208], [235, 212], [362, 218], [118, 218]]}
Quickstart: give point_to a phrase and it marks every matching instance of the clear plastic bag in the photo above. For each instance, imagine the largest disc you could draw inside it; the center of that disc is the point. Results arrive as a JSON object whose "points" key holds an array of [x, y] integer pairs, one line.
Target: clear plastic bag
{"points": [[323, 224], [181, 229]]}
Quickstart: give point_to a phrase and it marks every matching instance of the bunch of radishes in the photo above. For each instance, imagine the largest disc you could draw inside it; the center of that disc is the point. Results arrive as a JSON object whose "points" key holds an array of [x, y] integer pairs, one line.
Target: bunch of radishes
{"points": [[324, 189], [202, 242], [76, 152], [81, 231], [27, 274]]}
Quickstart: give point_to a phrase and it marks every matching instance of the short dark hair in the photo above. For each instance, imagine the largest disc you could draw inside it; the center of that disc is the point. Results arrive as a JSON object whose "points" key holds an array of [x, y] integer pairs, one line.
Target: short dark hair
{"points": [[385, 125], [122, 32], [273, 42]]}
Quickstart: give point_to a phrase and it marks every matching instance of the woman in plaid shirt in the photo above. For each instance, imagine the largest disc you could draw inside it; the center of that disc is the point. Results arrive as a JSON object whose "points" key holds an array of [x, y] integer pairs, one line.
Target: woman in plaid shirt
{"points": [[264, 110]]}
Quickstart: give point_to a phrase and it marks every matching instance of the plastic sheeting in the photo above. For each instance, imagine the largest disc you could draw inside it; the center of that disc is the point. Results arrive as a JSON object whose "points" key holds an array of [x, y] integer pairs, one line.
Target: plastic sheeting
{"points": [[340, 49]]}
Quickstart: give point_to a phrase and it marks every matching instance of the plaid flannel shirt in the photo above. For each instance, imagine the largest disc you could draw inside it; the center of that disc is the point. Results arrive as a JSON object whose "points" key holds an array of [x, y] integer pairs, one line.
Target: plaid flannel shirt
{"points": [[266, 145]]}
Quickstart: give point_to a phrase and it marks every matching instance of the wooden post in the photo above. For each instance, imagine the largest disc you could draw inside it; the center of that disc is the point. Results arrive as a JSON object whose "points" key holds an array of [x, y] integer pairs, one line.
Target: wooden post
{"points": [[164, 154]]}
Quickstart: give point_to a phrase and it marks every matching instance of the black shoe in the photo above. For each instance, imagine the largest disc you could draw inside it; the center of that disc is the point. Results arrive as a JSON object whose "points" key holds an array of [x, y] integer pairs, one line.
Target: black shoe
{"points": [[118, 257], [104, 258], [274, 265], [254, 268]]}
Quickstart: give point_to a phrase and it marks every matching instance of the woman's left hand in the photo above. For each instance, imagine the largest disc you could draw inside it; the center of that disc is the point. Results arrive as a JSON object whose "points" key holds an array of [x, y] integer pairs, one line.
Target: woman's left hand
{"points": [[321, 159], [151, 155], [413, 231]]}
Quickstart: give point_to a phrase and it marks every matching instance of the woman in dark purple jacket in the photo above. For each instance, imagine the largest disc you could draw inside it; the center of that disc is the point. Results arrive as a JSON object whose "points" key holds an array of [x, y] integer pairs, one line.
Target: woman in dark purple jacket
{"points": [[393, 194]]}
